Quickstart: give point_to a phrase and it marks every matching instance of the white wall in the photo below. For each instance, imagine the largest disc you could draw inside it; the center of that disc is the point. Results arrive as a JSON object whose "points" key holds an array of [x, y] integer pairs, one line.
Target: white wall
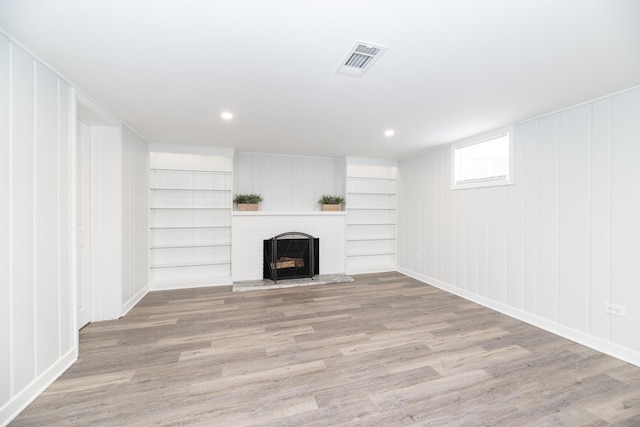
{"points": [[38, 116], [119, 213], [135, 214], [288, 183], [106, 223], [555, 246], [37, 336]]}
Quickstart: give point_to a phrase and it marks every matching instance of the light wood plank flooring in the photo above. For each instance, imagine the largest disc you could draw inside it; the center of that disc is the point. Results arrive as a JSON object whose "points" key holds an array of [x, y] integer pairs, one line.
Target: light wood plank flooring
{"points": [[384, 350]]}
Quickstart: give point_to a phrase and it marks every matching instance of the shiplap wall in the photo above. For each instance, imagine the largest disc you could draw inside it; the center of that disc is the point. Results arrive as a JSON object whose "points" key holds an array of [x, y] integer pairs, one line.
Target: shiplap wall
{"points": [[288, 183], [554, 247], [37, 340], [135, 213]]}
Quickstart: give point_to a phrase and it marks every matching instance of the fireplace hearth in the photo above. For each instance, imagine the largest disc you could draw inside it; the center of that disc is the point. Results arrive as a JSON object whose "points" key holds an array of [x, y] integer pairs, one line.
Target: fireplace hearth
{"points": [[291, 255]]}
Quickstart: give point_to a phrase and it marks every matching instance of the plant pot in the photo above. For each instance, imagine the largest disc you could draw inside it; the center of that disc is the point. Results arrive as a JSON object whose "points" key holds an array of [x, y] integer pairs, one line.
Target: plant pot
{"points": [[331, 207], [247, 206]]}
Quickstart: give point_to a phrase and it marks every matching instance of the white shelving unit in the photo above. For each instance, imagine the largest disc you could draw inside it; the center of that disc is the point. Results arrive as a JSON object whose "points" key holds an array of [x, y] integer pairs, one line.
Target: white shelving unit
{"points": [[371, 218], [190, 219]]}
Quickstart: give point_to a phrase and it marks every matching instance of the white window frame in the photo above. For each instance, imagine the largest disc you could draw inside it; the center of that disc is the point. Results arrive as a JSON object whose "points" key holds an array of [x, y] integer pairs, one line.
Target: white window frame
{"points": [[488, 182]]}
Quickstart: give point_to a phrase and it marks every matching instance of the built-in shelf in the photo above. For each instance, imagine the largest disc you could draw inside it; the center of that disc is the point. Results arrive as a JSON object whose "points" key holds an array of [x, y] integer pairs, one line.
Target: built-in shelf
{"points": [[374, 178], [191, 264], [190, 217], [191, 171], [371, 218], [189, 227], [370, 254], [189, 246], [191, 209], [190, 189]]}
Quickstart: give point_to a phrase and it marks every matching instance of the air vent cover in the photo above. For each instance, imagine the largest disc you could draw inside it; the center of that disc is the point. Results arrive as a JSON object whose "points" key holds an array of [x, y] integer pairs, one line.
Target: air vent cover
{"points": [[360, 58]]}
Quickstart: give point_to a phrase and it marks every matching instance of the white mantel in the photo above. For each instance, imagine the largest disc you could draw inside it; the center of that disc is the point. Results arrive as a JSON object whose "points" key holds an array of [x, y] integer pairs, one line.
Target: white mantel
{"points": [[250, 229]]}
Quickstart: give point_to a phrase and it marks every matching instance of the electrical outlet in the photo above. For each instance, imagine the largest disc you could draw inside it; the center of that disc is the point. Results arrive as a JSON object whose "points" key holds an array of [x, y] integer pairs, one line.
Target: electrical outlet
{"points": [[418, 257], [618, 310]]}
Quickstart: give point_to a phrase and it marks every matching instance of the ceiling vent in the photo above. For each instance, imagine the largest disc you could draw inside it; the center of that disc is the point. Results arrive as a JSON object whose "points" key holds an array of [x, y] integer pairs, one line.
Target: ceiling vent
{"points": [[360, 58]]}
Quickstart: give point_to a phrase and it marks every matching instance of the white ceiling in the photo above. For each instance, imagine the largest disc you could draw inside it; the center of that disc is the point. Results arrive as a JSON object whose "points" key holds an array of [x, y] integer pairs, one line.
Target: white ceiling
{"points": [[454, 68]]}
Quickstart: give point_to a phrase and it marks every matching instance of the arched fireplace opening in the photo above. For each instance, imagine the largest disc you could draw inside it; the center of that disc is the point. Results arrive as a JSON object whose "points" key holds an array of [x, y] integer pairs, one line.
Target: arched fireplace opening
{"points": [[291, 255]]}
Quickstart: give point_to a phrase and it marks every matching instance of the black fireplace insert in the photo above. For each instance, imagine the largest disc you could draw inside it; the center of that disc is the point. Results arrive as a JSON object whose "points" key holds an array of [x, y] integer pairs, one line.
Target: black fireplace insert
{"points": [[291, 255]]}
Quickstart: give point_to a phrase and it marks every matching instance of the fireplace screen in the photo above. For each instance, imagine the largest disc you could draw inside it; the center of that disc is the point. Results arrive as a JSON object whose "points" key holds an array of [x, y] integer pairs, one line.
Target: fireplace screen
{"points": [[291, 255]]}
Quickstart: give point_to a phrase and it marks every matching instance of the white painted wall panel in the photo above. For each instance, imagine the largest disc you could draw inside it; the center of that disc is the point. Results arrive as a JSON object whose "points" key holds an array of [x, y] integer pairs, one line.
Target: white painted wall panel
{"points": [[473, 240], [600, 244], [531, 131], [36, 341], [625, 206], [547, 268], [449, 233], [140, 215], [420, 210], [67, 301], [430, 238], [46, 255], [135, 214], [515, 226], [439, 218], [106, 237], [287, 183], [497, 243], [483, 242], [22, 214], [127, 224], [461, 253], [574, 186], [403, 214], [556, 245], [5, 226]]}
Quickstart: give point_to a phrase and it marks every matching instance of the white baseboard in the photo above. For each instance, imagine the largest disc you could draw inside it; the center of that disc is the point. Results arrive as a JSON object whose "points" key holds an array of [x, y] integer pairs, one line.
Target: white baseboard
{"points": [[603, 346], [28, 394], [134, 300]]}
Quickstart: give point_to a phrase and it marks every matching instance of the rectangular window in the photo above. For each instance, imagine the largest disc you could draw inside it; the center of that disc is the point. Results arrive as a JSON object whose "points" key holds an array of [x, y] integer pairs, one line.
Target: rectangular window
{"points": [[483, 163]]}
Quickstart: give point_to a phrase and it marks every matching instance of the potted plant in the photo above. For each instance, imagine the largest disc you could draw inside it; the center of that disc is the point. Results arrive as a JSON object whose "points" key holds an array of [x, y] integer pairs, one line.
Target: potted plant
{"points": [[247, 202], [331, 203]]}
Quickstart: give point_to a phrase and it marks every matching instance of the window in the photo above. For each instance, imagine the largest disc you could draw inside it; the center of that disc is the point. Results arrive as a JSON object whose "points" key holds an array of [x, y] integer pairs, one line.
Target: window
{"points": [[483, 163]]}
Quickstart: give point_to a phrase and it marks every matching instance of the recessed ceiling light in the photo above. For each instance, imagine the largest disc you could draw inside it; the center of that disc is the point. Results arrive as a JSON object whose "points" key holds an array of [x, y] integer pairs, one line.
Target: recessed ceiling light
{"points": [[226, 115], [389, 132]]}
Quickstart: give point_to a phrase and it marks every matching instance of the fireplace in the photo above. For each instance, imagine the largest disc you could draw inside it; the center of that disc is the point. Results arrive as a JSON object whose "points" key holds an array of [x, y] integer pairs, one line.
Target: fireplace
{"points": [[291, 255]]}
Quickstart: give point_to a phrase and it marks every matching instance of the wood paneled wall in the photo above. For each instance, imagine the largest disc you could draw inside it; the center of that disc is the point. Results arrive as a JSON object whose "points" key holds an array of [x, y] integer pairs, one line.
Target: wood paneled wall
{"points": [[38, 334], [37, 340], [135, 229], [288, 183], [555, 246]]}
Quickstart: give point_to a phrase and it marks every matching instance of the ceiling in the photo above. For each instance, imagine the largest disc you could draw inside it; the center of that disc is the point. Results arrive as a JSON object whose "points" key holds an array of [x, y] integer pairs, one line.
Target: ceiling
{"points": [[453, 68]]}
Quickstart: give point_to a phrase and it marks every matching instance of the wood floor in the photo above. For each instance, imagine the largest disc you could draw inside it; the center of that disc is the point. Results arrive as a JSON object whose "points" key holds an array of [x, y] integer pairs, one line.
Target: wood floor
{"points": [[384, 350]]}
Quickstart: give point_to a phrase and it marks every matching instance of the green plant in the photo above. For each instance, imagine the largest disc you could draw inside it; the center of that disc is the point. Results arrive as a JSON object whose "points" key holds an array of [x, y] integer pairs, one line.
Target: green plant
{"points": [[331, 200], [249, 199]]}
